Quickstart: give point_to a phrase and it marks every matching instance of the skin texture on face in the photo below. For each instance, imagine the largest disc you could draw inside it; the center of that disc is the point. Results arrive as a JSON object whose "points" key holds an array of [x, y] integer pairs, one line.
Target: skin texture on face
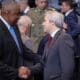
{"points": [[10, 12], [13, 16], [46, 24], [64, 7], [42, 4], [23, 5]]}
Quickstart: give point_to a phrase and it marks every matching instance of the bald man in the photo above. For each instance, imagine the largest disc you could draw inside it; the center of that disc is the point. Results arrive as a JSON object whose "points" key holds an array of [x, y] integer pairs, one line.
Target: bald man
{"points": [[13, 53], [36, 14]]}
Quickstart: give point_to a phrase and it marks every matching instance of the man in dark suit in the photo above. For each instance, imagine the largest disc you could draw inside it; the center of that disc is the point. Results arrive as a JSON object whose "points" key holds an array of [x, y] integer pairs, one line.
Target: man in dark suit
{"points": [[58, 57], [67, 7], [13, 54]]}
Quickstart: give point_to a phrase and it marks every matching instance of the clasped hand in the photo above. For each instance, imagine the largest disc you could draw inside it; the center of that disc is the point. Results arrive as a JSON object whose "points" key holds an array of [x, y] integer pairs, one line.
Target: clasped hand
{"points": [[24, 72]]}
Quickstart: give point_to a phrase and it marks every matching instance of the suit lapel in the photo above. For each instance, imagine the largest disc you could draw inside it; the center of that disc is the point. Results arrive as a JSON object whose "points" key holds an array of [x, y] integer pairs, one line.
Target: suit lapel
{"points": [[52, 43], [5, 29], [18, 36]]}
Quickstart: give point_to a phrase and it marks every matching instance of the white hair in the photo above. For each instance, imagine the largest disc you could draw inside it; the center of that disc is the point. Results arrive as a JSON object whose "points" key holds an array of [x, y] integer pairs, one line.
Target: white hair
{"points": [[24, 20], [55, 17]]}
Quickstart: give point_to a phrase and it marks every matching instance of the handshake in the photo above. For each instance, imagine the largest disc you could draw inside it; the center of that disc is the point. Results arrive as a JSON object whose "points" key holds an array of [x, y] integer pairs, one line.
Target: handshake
{"points": [[24, 72]]}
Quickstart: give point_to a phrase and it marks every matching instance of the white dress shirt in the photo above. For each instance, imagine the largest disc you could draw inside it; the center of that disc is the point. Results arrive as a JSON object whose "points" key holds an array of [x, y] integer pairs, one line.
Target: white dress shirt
{"points": [[54, 33], [68, 12]]}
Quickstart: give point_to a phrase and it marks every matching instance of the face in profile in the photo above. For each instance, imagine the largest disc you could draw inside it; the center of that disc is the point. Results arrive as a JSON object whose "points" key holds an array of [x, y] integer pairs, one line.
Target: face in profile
{"points": [[42, 4], [46, 24], [13, 14]]}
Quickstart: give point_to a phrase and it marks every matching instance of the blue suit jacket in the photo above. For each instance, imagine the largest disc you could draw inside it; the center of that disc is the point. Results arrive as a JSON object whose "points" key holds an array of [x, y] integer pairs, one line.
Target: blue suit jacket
{"points": [[73, 29], [72, 22]]}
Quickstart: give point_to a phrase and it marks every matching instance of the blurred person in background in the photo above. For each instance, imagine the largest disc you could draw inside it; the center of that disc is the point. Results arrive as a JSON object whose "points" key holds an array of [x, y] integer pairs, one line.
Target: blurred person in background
{"points": [[24, 6], [24, 23], [73, 29], [36, 14]]}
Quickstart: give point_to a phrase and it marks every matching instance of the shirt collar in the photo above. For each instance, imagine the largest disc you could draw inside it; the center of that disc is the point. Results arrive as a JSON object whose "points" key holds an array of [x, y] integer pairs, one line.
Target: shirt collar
{"points": [[27, 9], [5, 22], [53, 33], [68, 12]]}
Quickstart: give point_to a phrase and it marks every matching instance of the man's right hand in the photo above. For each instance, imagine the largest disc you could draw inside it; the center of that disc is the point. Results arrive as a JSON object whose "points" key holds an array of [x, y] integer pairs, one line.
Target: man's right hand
{"points": [[23, 72]]}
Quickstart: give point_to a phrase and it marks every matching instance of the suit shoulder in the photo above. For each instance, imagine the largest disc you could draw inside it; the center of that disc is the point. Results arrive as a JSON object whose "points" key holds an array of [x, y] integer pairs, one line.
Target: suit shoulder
{"points": [[67, 39], [64, 35]]}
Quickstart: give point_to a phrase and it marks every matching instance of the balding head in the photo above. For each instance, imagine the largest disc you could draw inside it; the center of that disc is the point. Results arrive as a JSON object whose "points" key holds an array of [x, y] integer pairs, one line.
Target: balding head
{"points": [[24, 23]]}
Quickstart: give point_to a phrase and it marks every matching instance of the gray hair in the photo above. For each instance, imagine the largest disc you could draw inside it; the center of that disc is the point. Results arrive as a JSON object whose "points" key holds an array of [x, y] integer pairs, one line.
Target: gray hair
{"points": [[24, 20], [55, 17]]}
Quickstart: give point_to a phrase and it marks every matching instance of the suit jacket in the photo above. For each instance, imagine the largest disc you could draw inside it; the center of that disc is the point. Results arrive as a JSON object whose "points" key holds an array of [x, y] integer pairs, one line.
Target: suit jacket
{"points": [[74, 30], [59, 58], [9, 54], [72, 21], [42, 45]]}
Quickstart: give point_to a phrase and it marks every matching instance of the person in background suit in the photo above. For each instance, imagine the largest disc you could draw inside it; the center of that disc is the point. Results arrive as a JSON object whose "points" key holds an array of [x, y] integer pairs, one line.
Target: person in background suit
{"points": [[67, 7], [36, 14], [13, 54]]}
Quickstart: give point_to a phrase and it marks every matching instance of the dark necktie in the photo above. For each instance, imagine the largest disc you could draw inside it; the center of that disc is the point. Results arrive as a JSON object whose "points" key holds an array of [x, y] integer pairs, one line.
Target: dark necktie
{"points": [[49, 41]]}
